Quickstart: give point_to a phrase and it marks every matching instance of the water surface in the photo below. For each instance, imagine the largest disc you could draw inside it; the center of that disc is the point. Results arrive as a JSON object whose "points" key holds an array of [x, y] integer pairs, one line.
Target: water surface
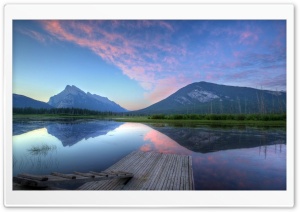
{"points": [[231, 158]]}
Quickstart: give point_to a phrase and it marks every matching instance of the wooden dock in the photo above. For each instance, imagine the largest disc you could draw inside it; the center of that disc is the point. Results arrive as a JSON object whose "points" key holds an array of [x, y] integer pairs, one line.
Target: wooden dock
{"points": [[151, 171], [136, 171]]}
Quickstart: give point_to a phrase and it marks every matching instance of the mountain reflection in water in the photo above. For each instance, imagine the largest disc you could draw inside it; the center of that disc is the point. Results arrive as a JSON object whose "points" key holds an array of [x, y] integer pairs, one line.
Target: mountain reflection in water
{"points": [[71, 133], [205, 139], [68, 132], [223, 158]]}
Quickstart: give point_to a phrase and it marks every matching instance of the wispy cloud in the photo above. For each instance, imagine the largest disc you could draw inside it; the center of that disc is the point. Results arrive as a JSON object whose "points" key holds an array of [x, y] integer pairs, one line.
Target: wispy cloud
{"points": [[42, 38], [246, 34], [163, 56], [276, 82], [165, 87], [248, 37], [131, 56]]}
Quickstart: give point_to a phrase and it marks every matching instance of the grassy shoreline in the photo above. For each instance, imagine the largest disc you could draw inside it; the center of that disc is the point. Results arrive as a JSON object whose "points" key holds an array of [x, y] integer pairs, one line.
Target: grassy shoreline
{"points": [[205, 122], [53, 117], [144, 119]]}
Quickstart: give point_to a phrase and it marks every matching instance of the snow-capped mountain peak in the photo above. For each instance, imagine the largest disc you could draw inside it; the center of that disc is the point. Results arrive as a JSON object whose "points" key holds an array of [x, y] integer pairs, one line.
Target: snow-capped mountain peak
{"points": [[73, 97], [73, 90]]}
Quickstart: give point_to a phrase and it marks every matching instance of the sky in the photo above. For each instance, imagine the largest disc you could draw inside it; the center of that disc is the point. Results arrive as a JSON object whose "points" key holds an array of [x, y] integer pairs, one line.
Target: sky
{"points": [[137, 63]]}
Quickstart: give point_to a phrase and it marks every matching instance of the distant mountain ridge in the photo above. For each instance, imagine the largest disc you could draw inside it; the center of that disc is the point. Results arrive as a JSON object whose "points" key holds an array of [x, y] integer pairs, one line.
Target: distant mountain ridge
{"points": [[195, 98], [73, 97], [21, 101], [203, 97], [70, 97]]}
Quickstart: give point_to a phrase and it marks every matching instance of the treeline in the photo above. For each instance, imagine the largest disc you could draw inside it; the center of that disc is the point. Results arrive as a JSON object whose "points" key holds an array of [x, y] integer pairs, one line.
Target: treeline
{"points": [[238, 117], [61, 111]]}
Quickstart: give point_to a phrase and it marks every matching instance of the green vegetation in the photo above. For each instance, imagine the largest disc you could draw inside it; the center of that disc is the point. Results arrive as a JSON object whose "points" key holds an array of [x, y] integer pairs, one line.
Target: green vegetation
{"points": [[212, 119], [193, 122], [207, 119], [60, 111], [217, 117], [54, 117]]}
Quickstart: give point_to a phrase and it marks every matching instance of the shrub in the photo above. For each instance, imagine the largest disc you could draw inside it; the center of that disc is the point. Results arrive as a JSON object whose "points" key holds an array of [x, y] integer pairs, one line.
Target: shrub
{"points": [[158, 116]]}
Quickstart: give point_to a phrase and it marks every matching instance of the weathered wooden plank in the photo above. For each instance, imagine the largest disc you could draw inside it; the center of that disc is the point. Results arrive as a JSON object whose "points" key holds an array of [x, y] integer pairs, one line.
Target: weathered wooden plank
{"points": [[151, 171], [99, 174], [33, 177], [117, 183], [157, 170], [176, 173], [176, 183], [137, 171], [68, 176], [165, 172], [180, 179], [161, 177], [119, 172], [84, 174], [86, 186], [147, 171], [141, 175], [25, 181], [169, 173], [160, 170], [183, 170], [124, 163], [120, 185], [191, 177], [186, 175], [125, 166], [170, 177], [103, 184]]}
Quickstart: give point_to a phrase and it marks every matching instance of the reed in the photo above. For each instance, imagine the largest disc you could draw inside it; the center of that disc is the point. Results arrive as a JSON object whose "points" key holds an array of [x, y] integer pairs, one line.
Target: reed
{"points": [[42, 149]]}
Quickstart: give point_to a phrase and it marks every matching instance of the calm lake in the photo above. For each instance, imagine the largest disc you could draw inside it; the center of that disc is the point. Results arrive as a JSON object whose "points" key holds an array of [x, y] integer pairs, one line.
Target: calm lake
{"points": [[224, 158]]}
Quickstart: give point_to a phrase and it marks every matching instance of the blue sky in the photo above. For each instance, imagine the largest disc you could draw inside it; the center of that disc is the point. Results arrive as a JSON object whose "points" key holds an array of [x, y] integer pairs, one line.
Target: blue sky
{"points": [[138, 63]]}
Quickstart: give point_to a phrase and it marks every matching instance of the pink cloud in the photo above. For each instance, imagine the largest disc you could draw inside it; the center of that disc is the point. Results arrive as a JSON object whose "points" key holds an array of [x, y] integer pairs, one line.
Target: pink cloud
{"points": [[208, 77], [133, 66], [170, 60], [135, 57], [161, 24], [166, 25], [116, 48], [36, 35], [197, 75], [165, 87], [223, 30], [248, 37], [237, 54]]}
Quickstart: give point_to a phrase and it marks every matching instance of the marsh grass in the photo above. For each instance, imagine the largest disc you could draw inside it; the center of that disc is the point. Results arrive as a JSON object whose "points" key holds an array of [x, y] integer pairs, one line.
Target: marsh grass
{"points": [[38, 157], [41, 150]]}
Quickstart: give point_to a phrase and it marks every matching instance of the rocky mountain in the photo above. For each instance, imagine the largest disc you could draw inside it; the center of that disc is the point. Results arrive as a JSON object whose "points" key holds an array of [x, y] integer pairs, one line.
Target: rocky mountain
{"points": [[20, 101], [73, 97], [204, 97]]}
